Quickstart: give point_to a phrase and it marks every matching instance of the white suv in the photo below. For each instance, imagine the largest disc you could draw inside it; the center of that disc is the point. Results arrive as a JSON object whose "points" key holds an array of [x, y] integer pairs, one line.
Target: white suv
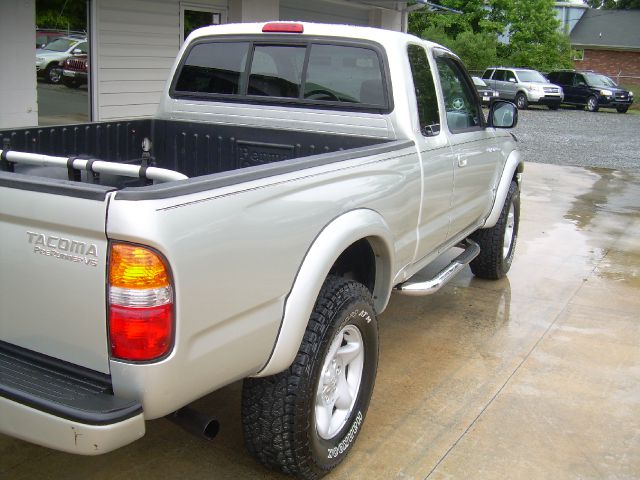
{"points": [[49, 57], [523, 86]]}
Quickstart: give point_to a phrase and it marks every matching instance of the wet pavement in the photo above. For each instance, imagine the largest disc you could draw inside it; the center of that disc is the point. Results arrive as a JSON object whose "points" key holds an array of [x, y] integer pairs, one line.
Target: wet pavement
{"points": [[533, 376]]}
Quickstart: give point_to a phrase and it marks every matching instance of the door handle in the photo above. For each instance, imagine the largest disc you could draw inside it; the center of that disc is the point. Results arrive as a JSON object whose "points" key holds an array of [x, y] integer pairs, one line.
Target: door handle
{"points": [[462, 161]]}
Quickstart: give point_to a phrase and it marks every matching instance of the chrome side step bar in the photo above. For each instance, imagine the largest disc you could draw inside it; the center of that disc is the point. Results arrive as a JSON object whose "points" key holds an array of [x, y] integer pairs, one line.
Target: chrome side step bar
{"points": [[428, 287]]}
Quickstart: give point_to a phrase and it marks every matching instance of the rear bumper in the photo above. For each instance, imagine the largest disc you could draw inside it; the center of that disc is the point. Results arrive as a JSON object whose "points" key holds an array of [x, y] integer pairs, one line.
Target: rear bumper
{"points": [[49, 430], [60, 406]]}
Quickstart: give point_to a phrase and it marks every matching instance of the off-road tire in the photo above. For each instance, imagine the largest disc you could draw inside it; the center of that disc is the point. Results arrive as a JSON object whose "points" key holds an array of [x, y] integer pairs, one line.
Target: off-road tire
{"points": [[592, 104], [622, 109], [279, 412], [493, 262], [521, 101]]}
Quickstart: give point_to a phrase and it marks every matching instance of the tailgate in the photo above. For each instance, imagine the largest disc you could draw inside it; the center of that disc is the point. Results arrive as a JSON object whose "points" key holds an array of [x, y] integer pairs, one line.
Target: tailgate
{"points": [[52, 272]]}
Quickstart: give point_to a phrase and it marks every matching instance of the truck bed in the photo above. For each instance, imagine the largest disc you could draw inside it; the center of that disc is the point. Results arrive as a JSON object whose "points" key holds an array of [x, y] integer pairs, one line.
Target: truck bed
{"points": [[191, 148]]}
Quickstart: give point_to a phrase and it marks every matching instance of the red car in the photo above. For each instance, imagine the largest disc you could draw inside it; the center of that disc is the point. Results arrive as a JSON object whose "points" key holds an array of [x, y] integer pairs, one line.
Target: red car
{"points": [[75, 71]]}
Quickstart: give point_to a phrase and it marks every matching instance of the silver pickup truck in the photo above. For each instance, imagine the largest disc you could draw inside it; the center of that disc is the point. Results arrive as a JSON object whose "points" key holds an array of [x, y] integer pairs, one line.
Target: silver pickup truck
{"points": [[294, 176]]}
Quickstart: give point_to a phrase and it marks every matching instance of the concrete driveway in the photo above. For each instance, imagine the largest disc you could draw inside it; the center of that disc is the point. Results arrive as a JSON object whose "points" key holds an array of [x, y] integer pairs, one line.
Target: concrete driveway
{"points": [[534, 376]]}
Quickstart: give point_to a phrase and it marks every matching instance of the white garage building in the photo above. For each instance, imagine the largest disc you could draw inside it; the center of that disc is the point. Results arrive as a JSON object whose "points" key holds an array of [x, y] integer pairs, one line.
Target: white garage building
{"points": [[134, 44]]}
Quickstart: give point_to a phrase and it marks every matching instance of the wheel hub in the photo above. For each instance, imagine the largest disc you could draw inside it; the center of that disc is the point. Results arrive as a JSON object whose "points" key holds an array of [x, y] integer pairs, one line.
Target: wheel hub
{"points": [[339, 382]]}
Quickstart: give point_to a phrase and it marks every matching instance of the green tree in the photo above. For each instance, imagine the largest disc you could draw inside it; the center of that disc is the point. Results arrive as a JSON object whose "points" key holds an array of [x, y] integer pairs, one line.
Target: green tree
{"points": [[62, 14], [534, 37], [472, 35], [522, 33]]}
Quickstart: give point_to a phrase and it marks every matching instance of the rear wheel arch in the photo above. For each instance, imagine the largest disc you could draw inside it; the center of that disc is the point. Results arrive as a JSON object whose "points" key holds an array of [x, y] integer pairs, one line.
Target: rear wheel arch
{"points": [[335, 251]]}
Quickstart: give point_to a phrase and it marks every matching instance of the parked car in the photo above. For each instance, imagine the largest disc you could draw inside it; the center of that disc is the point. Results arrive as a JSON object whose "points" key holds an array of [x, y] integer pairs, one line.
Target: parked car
{"points": [[48, 59], [524, 86], [485, 93], [592, 90], [48, 35], [75, 70]]}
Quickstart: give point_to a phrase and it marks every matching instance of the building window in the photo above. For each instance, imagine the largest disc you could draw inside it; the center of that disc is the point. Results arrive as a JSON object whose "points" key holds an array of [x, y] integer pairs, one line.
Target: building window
{"points": [[578, 55], [193, 16]]}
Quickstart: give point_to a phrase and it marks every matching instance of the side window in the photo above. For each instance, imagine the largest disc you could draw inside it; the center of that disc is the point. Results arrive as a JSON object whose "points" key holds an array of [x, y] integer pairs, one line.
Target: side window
{"points": [[487, 74], [500, 75], [511, 76], [427, 101], [460, 99], [82, 47], [579, 79]]}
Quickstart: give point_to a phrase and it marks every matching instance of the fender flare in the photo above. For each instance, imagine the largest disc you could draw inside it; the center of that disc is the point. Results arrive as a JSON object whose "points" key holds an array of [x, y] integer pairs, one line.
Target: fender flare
{"points": [[513, 167], [334, 239]]}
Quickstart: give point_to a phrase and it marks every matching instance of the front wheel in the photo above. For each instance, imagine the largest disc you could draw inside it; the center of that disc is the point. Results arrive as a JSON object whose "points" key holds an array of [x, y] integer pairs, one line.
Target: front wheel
{"points": [[521, 101], [592, 104], [53, 74], [305, 420], [498, 243]]}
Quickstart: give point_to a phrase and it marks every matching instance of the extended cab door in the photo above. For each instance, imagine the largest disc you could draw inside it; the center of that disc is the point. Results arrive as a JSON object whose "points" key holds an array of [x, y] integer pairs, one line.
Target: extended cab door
{"points": [[435, 155], [476, 161]]}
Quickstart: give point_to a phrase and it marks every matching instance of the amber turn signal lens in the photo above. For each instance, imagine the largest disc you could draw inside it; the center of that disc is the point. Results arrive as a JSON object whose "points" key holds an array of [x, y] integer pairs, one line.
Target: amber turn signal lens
{"points": [[136, 267]]}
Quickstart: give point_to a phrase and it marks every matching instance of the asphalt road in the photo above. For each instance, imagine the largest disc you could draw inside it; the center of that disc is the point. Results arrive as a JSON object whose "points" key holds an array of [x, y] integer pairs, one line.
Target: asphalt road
{"points": [[605, 139], [58, 104]]}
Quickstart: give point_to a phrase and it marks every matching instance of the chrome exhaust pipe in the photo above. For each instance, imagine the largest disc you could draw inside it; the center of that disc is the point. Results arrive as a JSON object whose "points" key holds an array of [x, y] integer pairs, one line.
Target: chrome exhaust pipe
{"points": [[196, 423]]}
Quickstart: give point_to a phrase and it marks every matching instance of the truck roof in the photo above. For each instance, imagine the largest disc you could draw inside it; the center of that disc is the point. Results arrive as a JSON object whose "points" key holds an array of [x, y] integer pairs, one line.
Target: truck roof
{"points": [[316, 29]]}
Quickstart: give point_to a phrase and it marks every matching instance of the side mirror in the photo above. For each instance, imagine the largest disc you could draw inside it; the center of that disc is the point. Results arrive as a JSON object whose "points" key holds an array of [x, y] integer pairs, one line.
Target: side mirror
{"points": [[502, 114], [512, 80], [582, 84], [76, 51]]}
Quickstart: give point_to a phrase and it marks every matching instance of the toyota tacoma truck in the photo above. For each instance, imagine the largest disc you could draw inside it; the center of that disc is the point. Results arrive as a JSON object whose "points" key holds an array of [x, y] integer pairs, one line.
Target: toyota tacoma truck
{"points": [[295, 175]]}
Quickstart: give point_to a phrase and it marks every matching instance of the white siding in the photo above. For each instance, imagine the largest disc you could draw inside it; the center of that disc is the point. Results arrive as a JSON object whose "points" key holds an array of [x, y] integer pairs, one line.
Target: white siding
{"points": [[18, 99], [135, 44], [323, 12]]}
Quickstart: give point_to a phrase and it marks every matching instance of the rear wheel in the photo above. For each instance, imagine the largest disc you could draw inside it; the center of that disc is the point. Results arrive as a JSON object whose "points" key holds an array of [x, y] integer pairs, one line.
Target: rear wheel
{"points": [[622, 109], [498, 243], [521, 101], [305, 420], [592, 104]]}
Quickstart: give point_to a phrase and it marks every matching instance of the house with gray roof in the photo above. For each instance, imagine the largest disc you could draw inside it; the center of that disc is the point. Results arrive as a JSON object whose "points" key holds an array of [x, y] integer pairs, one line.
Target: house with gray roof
{"points": [[608, 41]]}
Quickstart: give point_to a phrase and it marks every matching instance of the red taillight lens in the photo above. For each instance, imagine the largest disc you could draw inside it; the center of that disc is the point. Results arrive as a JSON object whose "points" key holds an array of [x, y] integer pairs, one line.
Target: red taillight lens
{"points": [[140, 303], [283, 27], [140, 333]]}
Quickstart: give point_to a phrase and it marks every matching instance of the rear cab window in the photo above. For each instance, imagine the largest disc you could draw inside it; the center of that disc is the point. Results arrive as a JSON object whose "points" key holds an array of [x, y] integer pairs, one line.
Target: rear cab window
{"points": [[324, 73]]}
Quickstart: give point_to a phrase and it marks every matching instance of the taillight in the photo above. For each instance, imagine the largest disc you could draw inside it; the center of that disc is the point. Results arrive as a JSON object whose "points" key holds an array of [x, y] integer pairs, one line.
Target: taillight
{"points": [[140, 303]]}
